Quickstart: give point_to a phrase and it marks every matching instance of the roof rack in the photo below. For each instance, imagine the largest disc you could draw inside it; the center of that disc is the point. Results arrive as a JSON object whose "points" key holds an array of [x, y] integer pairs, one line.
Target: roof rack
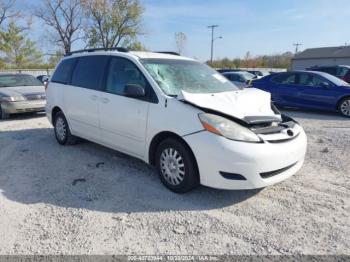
{"points": [[119, 49], [169, 53]]}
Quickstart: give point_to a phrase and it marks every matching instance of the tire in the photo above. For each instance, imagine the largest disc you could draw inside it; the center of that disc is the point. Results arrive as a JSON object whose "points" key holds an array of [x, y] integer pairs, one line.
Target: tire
{"points": [[344, 107], [62, 131], [176, 166], [3, 114]]}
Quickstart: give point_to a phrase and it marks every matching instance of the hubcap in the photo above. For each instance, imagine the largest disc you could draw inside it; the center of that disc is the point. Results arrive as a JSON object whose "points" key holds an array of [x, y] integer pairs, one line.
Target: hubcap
{"points": [[172, 166], [60, 129], [345, 107]]}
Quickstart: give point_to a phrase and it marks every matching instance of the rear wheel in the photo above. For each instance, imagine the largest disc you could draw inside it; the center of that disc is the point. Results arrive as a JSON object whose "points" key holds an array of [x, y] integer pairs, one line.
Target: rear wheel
{"points": [[344, 107], [3, 114], [62, 131], [176, 166]]}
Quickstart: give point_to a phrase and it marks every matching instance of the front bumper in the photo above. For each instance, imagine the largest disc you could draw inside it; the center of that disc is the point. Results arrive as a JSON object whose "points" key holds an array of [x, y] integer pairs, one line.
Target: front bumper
{"points": [[259, 164], [23, 106]]}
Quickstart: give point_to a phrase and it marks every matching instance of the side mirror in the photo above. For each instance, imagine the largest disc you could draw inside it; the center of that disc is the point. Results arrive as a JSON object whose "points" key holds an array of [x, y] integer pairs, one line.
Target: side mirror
{"points": [[134, 90], [325, 85]]}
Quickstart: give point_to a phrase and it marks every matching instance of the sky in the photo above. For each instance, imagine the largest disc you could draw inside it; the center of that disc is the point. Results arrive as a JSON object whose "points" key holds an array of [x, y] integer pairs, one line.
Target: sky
{"points": [[258, 26], [261, 27]]}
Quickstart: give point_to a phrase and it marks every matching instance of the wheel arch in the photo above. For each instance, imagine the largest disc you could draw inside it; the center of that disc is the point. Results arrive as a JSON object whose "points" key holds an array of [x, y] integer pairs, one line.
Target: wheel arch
{"points": [[347, 96], [157, 139], [54, 111]]}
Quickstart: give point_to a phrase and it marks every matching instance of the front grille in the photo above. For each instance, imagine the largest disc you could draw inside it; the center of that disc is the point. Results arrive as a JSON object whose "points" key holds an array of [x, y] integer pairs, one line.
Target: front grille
{"points": [[272, 128], [282, 140], [32, 97], [276, 172]]}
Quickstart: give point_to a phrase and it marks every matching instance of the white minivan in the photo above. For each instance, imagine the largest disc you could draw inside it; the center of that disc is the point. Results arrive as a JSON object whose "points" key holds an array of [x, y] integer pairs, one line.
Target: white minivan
{"points": [[177, 114]]}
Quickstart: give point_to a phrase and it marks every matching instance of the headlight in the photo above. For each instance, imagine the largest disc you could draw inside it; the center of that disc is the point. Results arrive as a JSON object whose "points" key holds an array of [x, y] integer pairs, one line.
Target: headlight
{"points": [[227, 128], [12, 98]]}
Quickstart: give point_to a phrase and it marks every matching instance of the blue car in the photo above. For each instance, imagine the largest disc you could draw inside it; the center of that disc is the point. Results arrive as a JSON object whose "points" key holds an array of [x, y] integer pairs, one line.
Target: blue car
{"points": [[307, 89]]}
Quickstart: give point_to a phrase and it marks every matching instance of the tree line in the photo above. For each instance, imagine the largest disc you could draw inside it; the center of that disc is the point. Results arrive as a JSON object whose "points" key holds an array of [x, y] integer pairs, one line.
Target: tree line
{"points": [[249, 61], [95, 23]]}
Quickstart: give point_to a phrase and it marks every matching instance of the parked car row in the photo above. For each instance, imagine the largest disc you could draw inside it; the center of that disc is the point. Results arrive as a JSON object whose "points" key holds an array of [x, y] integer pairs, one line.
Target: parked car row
{"points": [[169, 110], [256, 73]]}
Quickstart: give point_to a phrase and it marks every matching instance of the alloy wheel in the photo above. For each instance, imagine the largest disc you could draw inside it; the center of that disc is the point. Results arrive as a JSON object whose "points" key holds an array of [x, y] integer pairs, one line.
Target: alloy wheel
{"points": [[345, 107]]}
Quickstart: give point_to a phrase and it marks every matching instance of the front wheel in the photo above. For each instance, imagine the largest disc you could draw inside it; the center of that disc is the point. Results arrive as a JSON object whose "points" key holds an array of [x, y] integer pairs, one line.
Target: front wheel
{"points": [[62, 131], [344, 107], [176, 166]]}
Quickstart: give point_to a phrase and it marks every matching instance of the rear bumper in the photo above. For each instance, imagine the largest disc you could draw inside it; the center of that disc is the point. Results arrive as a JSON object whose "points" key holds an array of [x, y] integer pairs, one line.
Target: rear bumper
{"points": [[23, 106], [228, 164]]}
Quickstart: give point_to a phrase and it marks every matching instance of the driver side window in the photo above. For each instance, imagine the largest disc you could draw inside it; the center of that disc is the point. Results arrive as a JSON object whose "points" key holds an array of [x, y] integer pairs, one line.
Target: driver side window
{"points": [[122, 72]]}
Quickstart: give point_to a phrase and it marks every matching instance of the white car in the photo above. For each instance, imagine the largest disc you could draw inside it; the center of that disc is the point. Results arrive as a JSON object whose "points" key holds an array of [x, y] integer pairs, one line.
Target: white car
{"points": [[175, 113]]}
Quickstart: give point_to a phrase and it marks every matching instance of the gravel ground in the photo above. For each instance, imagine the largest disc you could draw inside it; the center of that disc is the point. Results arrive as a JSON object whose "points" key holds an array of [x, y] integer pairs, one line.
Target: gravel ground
{"points": [[87, 199]]}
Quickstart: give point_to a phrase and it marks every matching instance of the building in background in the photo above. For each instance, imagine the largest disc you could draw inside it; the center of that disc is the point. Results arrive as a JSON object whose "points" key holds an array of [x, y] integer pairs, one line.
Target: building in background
{"points": [[324, 56]]}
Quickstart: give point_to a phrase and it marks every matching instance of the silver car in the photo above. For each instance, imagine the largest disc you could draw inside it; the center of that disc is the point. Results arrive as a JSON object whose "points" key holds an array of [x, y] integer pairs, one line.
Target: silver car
{"points": [[241, 79], [20, 93]]}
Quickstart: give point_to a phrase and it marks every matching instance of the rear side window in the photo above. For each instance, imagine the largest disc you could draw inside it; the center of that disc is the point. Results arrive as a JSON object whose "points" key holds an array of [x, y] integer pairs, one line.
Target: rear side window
{"points": [[88, 72], [63, 72]]}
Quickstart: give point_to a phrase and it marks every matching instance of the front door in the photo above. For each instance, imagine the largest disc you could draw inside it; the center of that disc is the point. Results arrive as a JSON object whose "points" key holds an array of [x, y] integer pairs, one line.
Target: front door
{"points": [[123, 120], [315, 91], [283, 89]]}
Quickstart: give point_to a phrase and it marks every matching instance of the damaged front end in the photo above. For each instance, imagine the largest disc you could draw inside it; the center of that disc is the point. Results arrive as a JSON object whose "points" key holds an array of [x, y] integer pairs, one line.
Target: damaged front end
{"points": [[273, 127]]}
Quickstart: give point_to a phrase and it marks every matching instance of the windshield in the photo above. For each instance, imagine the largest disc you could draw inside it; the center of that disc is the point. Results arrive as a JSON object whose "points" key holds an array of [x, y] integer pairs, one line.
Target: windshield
{"points": [[173, 76], [18, 80]]}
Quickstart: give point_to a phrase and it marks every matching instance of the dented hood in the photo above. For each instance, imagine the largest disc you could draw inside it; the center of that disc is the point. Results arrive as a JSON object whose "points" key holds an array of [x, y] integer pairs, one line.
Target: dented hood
{"points": [[249, 103]]}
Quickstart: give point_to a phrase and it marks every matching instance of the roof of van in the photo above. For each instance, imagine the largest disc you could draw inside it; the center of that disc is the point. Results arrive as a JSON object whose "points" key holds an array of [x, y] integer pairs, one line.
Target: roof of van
{"points": [[138, 54]]}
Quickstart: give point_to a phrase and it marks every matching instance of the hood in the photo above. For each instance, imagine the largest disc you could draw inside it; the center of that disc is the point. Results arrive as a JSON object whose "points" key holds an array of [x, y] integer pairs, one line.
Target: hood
{"points": [[21, 90], [243, 104]]}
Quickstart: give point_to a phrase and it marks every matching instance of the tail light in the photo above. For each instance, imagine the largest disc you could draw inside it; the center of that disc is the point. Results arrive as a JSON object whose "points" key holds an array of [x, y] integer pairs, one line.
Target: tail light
{"points": [[46, 84]]}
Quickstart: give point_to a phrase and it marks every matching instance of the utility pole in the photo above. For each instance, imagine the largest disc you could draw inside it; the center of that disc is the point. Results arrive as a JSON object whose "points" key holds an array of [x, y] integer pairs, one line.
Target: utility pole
{"points": [[212, 42], [297, 47]]}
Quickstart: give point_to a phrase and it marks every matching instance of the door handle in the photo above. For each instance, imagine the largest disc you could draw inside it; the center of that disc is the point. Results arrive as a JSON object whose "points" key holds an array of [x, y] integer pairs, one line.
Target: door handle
{"points": [[93, 97], [105, 100]]}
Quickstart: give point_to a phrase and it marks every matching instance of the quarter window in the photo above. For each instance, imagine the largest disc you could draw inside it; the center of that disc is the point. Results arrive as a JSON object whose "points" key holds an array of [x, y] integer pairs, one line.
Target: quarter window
{"points": [[88, 72], [122, 72], [64, 71]]}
